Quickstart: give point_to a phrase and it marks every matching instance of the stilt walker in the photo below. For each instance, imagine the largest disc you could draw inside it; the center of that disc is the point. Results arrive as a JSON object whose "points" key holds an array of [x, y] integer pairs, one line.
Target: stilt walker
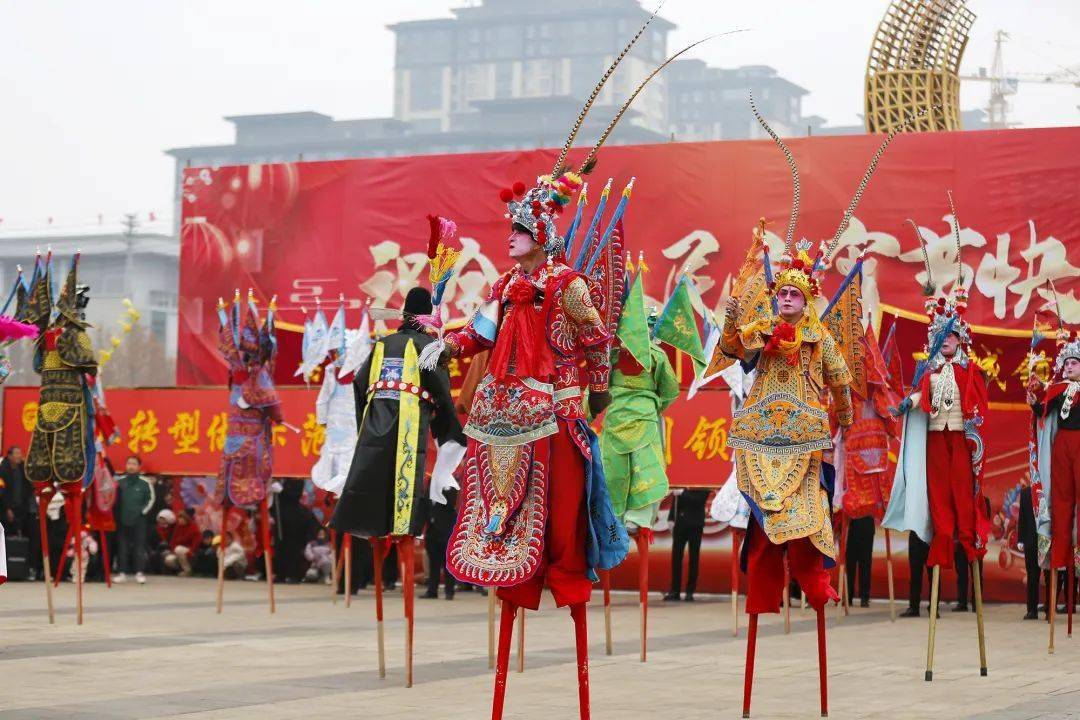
{"points": [[249, 348], [343, 352], [937, 490], [729, 506], [398, 402], [1056, 483], [781, 431], [62, 448], [605, 584], [643, 386], [861, 456], [535, 509]]}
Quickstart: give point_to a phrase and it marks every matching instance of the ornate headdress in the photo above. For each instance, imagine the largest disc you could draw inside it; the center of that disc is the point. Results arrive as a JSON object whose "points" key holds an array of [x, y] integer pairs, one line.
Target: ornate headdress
{"points": [[1070, 348], [537, 209], [799, 271], [67, 305]]}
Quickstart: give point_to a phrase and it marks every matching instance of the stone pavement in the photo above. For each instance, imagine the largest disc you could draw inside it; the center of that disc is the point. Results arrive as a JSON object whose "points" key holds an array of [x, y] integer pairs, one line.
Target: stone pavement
{"points": [[159, 651]]}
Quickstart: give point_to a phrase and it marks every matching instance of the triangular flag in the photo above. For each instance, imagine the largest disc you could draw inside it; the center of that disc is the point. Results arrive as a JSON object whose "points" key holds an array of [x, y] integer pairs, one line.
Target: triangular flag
{"points": [[677, 326], [633, 330]]}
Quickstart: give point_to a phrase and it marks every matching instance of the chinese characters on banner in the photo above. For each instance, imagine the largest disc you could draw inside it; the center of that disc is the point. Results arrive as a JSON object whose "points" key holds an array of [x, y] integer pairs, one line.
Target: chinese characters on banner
{"points": [[181, 431]]}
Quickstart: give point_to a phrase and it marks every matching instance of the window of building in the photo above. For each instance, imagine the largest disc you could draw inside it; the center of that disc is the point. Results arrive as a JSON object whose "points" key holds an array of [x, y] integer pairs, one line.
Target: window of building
{"points": [[536, 78], [425, 89], [478, 84]]}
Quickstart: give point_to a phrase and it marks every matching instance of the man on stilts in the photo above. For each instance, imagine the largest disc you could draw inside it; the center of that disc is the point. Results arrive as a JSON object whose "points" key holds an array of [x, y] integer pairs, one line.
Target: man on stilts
{"points": [[937, 487], [62, 448], [534, 510], [397, 404], [247, 460], [782, 430], [643, 386], [1058, 452]]}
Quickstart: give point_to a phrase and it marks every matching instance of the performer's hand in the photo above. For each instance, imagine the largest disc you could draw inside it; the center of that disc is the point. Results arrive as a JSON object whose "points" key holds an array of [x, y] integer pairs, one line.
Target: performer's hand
{"points": [[902, 408], [598, 402], [732, 312], [1031, 398]]}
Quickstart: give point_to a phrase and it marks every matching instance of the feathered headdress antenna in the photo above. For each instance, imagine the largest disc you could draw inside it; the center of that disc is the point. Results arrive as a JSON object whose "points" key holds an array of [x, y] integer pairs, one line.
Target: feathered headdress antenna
{"points": [[846, 220], [590, 160], [956, 237], [442, 258], [576, 128], [790, 237], [928, 287]]}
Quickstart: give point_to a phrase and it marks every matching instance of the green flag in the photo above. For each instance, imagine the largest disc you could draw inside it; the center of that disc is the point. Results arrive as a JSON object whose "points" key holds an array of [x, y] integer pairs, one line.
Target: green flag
{"points": [[633, 330], [677, 326]]}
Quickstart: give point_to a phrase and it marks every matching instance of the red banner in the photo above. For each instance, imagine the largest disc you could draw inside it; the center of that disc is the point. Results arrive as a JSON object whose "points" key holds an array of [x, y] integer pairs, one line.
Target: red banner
{"points": [[316, 229], [180, 431]]}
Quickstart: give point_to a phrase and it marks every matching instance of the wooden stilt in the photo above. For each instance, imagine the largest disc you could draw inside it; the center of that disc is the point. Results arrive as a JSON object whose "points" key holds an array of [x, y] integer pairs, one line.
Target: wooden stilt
{"points": [[644, 535], [346, 546], [335, 567], [43, 505], [75, 517], [787, 598], [221, 561], [605, 583], [105, 563], [1051, 607], [61, 566], [491, 627], [734, 582], [823, 676], [405, 552], [377, 553], [889, 573], [748, 677], [506, 631], [1070, 590], [521, 640], [976, 572], [841, 576], [581, 642], [935, 580], [268, 553]]}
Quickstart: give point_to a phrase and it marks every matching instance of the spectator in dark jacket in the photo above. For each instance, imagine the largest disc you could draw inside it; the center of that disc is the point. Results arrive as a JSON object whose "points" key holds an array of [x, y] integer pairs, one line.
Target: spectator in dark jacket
{"points": [[688, 514], [136, 500]]}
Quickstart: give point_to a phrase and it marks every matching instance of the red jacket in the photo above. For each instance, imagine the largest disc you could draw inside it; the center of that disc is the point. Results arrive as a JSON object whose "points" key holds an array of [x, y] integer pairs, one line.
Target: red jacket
{"points": [[972, 385], [187, 535]]}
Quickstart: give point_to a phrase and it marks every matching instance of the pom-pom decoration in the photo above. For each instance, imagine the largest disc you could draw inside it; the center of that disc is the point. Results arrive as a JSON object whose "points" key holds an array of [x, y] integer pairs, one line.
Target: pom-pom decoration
{"points": [[12, 329]]}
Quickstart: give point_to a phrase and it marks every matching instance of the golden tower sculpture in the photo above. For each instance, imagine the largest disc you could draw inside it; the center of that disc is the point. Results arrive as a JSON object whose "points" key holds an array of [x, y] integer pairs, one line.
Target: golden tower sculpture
{"points": [[914, 65]]}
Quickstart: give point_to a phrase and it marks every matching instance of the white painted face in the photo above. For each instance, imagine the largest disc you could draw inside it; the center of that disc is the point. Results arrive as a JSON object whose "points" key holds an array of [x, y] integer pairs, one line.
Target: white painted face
{"points": [[951, 345], [790, 301], [521, 242], [1070, 369]]}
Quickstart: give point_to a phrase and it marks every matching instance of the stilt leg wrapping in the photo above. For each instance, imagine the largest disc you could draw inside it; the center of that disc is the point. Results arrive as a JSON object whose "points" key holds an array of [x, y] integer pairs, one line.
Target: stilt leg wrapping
{"points": [[823, 674], [377, 553], [1051, 609], [502, 662], [976, 572], [581, 640], [405, 552], [748, 679], [934, 586]]}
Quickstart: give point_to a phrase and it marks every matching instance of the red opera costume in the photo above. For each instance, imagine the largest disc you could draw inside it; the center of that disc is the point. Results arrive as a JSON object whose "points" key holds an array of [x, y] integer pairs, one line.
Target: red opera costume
{"points": [[937, 488]]}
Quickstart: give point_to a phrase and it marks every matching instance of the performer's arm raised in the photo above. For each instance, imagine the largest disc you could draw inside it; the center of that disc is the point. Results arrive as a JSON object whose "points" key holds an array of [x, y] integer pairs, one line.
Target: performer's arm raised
{"points": [[838, 378]]}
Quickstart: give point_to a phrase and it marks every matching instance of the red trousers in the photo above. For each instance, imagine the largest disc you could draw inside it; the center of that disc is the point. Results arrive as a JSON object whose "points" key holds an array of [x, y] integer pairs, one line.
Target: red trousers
{"points": [[950, 486], [765, 573], [1064, 494], [564, 567]]}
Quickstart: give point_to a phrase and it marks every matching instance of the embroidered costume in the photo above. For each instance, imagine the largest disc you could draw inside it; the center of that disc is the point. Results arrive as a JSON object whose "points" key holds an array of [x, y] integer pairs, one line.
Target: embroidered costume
{"points": [[1057, 413], [534, 507], [247, 460], [937, 487]]}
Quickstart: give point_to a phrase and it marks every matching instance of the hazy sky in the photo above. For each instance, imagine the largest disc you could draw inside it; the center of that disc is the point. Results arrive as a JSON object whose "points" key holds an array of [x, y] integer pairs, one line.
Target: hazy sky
{"points": [[93, 92]]}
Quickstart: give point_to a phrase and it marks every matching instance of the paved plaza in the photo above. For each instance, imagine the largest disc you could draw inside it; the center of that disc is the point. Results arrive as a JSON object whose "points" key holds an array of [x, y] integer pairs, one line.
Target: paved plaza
{"points": [[160, 651]]}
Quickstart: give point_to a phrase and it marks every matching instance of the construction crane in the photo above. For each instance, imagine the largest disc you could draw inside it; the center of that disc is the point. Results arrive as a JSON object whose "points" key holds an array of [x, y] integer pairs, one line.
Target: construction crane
{"points": [[1003, 85]]}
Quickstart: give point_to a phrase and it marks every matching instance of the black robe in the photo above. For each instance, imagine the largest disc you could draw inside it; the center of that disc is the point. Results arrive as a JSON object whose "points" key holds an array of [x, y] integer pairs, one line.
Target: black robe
{"points": [[366, 505]]}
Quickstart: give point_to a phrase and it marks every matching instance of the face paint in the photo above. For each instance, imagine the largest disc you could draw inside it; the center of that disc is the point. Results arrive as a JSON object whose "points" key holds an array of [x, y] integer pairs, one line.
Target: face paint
{"points": [[790, 301], [521, 243], [950, 346], [1070, 369]]}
